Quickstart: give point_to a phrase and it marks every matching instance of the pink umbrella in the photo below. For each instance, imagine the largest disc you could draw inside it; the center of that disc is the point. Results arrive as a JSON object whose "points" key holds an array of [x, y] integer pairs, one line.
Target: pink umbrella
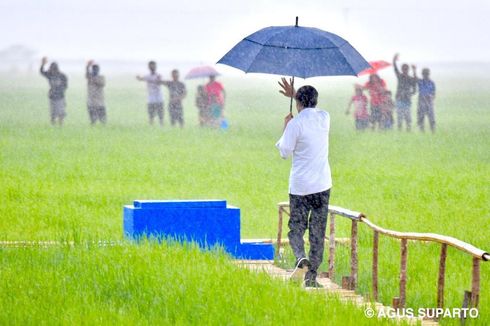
{"points": [[201, 72], [375, 66]]}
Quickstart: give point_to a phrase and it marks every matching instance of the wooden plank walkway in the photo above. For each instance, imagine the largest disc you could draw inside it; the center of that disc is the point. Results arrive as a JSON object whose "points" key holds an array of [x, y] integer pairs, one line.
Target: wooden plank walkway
{"points": [[329, 287]]}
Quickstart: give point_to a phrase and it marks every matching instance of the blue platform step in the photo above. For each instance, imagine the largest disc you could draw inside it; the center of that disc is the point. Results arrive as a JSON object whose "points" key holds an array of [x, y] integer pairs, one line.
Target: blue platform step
{"points": [[205, 222]]}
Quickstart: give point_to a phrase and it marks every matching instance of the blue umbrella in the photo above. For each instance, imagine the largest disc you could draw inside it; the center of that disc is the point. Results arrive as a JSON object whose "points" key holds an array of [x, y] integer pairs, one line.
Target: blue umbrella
{"points": [[295, 51]]}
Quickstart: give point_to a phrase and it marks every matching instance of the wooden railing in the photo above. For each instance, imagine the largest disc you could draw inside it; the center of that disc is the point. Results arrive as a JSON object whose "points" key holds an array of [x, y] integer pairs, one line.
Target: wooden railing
{"points": [[350, 282]]}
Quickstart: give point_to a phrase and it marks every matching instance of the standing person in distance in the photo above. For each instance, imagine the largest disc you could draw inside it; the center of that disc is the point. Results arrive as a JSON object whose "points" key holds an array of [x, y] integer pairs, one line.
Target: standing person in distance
{"points": [[177, 92], [95, 94], [376, 87], [405, 90], [216, 101], [58, 83], [155, 98], [427, 94], [361, 115], [202, 106], [305, 138]]}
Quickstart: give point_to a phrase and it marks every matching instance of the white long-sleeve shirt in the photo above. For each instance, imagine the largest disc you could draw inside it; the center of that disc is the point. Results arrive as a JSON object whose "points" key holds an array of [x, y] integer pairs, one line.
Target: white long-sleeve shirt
{"points": [[306, 139], [154, 88]]}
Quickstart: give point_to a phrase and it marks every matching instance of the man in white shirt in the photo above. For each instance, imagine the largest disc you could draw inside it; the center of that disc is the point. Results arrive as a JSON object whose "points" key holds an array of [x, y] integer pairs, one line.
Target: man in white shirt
{"points": [[305, 138], [155, 98]]}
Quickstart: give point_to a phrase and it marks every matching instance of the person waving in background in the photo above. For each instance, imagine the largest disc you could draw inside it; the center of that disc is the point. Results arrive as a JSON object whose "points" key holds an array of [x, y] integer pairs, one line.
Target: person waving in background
{"points": [[95, 94], [405, 90], [58, 84]]}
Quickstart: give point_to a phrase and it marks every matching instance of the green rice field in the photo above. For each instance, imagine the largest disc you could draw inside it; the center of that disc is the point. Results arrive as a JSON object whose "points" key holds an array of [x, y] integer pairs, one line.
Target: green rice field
{"points": [[71, 183]]}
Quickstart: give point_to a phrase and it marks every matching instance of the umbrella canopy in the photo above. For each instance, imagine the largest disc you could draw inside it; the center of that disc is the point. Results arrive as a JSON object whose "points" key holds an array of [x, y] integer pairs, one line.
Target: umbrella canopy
{"points": [[295, 51], [375, 66], [201, 72]]}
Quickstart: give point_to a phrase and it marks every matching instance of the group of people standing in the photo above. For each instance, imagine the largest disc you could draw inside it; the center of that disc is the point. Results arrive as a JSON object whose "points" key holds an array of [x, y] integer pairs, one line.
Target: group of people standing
{"points": [[382, 105], [58, 84], [177, 92], [210, 98]]}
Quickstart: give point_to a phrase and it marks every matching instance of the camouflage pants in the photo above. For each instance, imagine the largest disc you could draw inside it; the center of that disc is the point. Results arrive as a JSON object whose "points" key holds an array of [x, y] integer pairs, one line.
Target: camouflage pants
{"points": [[155, 109], [176, 112], [426, 108], [57, 109], [309, 212]]}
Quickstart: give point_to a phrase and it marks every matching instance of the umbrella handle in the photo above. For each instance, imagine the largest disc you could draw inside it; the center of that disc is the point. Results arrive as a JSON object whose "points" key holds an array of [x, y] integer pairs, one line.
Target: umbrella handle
{"points": [[291, 103]]}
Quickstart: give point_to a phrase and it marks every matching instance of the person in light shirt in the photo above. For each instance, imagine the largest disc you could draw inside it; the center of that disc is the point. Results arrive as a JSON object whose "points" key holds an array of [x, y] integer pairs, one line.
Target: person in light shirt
{"points": [[305, 138], [155, 99], [95, 93]]}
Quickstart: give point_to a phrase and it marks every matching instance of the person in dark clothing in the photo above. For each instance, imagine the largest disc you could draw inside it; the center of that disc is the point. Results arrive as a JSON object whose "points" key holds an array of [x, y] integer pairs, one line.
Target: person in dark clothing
{"points": [[404, 92], [177, 92], [427, 94], [58, 84]]}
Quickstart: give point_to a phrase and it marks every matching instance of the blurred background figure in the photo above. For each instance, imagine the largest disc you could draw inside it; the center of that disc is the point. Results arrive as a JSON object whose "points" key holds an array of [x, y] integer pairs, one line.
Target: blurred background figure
{"points": [[216, 101], [202, 106], [427, 93], [95, 93], [361, 115], [376, 87], [155, 98], [405, 90], [58, 83], [177, 92], [387, 106]]}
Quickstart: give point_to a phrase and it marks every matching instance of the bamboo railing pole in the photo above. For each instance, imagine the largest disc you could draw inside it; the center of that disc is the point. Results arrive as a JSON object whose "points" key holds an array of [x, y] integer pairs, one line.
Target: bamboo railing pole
{"points": [[403, 272], [279, 231], [475, 283], [354, 258], [375, 265], [331, 252], [456, 243], [441, 278]]}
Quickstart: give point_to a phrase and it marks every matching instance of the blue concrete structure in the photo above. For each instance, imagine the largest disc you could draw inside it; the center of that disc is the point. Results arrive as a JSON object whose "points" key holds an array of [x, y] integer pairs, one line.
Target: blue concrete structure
{"points": [[205, 222]]}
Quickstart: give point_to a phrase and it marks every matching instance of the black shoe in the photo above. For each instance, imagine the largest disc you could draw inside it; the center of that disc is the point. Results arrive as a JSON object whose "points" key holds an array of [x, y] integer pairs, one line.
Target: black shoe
{"points": [[312, 283], [300, 269]]}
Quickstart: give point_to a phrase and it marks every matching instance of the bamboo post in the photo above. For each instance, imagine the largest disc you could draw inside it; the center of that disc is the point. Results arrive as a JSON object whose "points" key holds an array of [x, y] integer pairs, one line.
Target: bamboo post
{"points": [[475, 283], [331, 254], [395, 304], [279, 231], [375, 265], [441, 278], [347, 282], [353, 254], [466, 304], [403, 272]]}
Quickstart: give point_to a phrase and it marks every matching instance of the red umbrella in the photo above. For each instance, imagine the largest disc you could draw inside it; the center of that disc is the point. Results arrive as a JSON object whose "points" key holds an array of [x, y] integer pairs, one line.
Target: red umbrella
{"points": [[375, 66], [201, 72]]}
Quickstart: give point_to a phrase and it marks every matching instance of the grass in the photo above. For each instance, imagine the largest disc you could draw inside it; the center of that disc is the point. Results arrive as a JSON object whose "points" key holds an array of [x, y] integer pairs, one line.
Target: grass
{"points": [[73, 181], [151, 284]]}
